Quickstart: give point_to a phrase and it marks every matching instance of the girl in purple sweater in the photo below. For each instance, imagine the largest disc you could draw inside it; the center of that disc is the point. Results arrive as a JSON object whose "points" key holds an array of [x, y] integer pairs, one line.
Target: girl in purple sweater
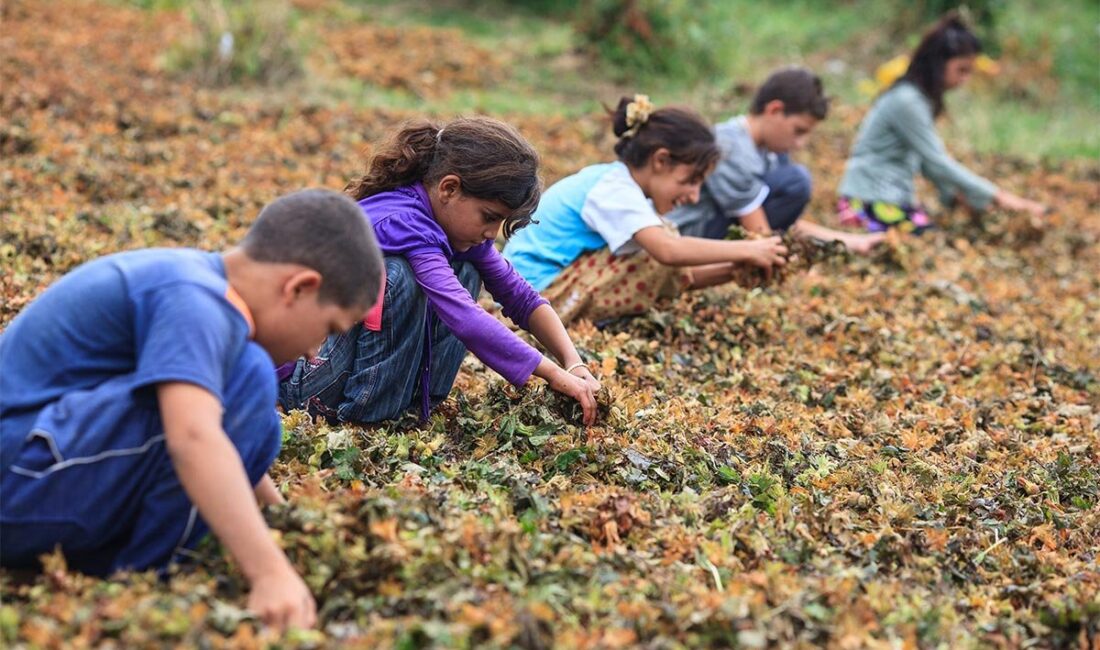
{"points": [[437, 198]]}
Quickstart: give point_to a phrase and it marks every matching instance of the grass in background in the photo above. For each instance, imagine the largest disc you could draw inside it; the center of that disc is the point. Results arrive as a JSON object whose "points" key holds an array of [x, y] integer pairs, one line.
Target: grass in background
{"points": [[1044, 103], [1049, 112]]}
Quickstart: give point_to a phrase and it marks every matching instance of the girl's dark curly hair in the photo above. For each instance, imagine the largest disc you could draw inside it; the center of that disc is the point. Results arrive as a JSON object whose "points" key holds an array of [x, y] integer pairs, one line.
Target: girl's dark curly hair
{"points": [[491, 159]]}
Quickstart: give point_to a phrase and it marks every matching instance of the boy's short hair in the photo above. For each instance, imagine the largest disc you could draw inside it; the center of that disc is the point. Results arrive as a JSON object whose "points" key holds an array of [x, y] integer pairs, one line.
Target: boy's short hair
{"points": [[799, 89], [327, 232]]}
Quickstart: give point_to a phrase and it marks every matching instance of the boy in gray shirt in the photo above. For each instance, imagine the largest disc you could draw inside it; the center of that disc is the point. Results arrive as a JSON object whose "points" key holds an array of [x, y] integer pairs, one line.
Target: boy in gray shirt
{"points": [[755, 184]]}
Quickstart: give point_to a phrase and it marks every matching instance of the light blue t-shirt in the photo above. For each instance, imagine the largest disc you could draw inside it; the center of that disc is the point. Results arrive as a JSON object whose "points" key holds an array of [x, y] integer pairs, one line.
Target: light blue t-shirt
{"points": [[154, 315], [599, 206]]}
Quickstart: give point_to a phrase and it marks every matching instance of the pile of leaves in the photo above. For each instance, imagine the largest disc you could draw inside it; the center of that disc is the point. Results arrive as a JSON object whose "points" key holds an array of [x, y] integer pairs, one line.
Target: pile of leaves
{"points": [[883, 451]]}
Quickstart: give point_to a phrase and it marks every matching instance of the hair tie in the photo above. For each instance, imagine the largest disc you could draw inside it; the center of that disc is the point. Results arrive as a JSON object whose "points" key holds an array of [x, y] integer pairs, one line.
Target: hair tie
{"points": [[439, 136], [637, 114]]}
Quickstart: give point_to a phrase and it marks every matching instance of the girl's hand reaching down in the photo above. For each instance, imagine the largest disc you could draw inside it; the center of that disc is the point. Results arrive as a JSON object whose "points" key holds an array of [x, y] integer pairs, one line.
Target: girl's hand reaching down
{"points": [[1010, 201], [573, 386], [584, 373]]}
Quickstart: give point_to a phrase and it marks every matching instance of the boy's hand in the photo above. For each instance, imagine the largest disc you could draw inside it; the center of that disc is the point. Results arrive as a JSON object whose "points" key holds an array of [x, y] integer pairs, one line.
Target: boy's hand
{"points": [[281, 599], [863, 243], [210, 470], [267, 494]]}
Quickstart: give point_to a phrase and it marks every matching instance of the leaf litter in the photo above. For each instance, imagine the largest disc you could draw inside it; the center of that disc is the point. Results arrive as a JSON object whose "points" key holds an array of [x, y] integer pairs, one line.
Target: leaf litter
{"points": [[895, 450]]}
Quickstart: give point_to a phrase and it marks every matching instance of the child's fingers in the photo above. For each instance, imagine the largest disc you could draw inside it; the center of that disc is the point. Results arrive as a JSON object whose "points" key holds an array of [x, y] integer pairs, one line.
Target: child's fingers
{"points": [[276, 617], [311, 611], [588, 404]]}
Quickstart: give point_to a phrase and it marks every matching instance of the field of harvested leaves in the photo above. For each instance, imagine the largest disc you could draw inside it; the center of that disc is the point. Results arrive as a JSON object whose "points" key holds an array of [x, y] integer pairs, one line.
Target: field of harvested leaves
{"points": [[892, 452]]}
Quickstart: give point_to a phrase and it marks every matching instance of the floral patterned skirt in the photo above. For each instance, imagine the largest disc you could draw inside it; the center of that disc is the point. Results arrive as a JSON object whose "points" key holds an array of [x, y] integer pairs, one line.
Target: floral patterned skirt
{"points": [[877, 216], [600, 286]]}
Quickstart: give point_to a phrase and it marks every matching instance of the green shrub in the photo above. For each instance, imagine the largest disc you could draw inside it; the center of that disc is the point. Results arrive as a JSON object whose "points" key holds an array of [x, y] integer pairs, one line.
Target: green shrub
{"points": [[982, 16], [648, 36], [247, 40]]}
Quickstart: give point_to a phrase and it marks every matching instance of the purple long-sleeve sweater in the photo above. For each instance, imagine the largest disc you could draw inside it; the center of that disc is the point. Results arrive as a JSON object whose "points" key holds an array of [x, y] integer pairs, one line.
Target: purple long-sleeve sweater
{"points": [[404, 225]]}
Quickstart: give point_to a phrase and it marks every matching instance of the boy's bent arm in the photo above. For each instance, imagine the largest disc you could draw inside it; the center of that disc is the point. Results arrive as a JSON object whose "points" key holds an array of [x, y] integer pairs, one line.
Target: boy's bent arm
{"points": [[857, 242], [213, 476], [757, 222]]}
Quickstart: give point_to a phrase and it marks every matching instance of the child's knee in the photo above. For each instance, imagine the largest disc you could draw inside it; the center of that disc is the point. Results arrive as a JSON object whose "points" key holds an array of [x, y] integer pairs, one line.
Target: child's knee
{"points": [[400, 280], [469, 277], [800, 183]]}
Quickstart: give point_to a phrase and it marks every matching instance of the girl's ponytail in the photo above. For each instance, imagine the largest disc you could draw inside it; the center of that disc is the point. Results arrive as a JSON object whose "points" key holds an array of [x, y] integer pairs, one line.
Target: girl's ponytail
{"points": [[402, 160]]}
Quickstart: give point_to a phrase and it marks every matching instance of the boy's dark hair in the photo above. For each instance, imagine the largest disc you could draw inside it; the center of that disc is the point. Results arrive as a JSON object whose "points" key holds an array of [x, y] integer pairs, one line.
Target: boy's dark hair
{"points": [[948, 38], [799, 89], [688, 138], [492, 160], [324, 231]]}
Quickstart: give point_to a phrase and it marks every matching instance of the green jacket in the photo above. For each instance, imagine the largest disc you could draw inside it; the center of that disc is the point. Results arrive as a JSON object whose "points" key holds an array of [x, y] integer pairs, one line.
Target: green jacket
{"points": [[898, 138]]}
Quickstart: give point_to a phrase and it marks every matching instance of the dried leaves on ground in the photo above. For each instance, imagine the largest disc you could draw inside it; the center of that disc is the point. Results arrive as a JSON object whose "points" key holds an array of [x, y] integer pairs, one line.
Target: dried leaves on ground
{"points": [[884, 451]]}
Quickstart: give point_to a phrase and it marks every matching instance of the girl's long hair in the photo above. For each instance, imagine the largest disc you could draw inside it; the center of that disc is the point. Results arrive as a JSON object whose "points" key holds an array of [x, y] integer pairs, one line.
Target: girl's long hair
{"points": [[949, 38], [491, 159], [687, 137]]}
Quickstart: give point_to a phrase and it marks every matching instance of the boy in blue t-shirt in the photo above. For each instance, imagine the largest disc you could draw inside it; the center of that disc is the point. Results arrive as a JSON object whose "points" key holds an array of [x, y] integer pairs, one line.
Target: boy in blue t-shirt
{"points": [[137, 396]]}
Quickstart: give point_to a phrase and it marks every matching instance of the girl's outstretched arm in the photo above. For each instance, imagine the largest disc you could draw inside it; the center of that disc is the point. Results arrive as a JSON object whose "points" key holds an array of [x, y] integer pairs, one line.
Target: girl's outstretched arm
{"points": [[696, 251], [1010, 201]]}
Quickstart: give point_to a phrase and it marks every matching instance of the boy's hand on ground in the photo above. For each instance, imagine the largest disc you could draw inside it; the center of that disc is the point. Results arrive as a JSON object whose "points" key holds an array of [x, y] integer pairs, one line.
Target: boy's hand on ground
{"points": [[281, 599], [267, 494], [863, 243]]}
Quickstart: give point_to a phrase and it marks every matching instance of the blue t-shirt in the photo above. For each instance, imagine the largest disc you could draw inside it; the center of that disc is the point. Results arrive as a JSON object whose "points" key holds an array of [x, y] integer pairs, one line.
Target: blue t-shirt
{"points": [[156, 315], [599, 206]]}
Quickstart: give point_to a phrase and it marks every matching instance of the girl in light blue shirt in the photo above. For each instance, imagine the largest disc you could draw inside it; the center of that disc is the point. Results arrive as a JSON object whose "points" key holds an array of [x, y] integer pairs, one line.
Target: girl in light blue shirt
{"points": [[598, 247]]}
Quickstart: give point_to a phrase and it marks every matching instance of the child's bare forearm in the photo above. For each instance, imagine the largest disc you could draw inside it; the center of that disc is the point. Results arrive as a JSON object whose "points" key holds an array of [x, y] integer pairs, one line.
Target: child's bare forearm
{"points": [[211, 473], [213, 477], [711, 275], [804, 228], [548, 329], [756, 222], [690, 251]]}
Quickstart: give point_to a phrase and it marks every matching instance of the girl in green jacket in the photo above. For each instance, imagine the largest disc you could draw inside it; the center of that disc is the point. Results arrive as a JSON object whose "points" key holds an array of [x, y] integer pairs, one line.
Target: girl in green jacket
{"points": [[898, 138]]}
